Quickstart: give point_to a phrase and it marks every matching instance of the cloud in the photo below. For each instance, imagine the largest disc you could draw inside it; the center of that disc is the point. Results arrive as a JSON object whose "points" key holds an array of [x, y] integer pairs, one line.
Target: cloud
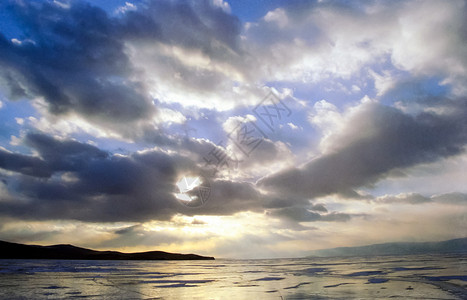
{"points": [[315, 41], [67, 179], [326, 117], [63, 155], [411, 198], [446, 25], [111, 70], [75, 61], [27, 234], [318, 207], [201, 57], [23, 164], [415, 198], [127, 7], [301, 214], [305, 42], [451, 198], [376, 139], [138, 235], [86, 183]]}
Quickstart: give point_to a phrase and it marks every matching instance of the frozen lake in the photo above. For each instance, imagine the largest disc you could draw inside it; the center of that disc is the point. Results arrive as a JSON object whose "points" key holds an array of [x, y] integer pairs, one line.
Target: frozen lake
{"points": [[399, 277]]}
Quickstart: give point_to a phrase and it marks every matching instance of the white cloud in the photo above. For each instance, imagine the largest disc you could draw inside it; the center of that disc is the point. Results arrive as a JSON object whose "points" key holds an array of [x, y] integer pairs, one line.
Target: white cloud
{"points": [[383, 82], [222, 4], [70, 125], [127, 7], [293, 126], [409, 198], [445, 176], [169, 116], [16, 41], [355, 88], [330, 41], [255, 153], [15, 141], [325, 116], [277, 16], [174, 74], [65, 5], [328, 119], [431, 40]]}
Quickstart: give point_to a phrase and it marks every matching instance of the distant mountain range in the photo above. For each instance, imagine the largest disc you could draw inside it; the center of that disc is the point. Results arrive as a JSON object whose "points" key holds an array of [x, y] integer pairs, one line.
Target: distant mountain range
{"points": [[21, 251], [456, 246]]}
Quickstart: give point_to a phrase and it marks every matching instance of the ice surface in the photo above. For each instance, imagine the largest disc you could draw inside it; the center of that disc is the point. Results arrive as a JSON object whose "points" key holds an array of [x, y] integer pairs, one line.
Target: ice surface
{"points": [[410, 277]]}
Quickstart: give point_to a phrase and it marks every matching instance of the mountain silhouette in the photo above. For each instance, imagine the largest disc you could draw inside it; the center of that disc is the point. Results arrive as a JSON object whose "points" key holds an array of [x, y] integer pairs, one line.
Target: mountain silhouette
{"points": [[455, 246], [20, 251]]}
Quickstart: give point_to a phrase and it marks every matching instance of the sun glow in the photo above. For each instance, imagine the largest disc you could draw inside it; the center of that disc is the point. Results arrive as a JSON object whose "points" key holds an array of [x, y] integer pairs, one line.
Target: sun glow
{"points": [[185, 185]]}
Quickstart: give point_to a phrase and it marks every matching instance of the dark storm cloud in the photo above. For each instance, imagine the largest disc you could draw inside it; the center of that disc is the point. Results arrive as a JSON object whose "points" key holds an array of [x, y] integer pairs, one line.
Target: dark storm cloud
{"points": [[66, 155], [75, 57], [377, 140], [198, 149], [228, 197], [72, 180], [191, 24], [67, 179], [54, 156], [297, 209], [24, 164], [88, 184], [281, 200], [318, 207]]}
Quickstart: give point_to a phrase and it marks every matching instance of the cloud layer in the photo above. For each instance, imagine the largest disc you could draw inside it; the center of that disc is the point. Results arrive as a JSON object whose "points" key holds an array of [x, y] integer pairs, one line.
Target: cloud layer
{"points": [[375, 141]]}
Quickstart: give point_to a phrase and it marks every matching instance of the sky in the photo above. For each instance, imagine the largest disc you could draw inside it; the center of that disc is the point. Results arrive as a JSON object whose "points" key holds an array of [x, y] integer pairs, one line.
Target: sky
{"points": [[238, 129]]}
